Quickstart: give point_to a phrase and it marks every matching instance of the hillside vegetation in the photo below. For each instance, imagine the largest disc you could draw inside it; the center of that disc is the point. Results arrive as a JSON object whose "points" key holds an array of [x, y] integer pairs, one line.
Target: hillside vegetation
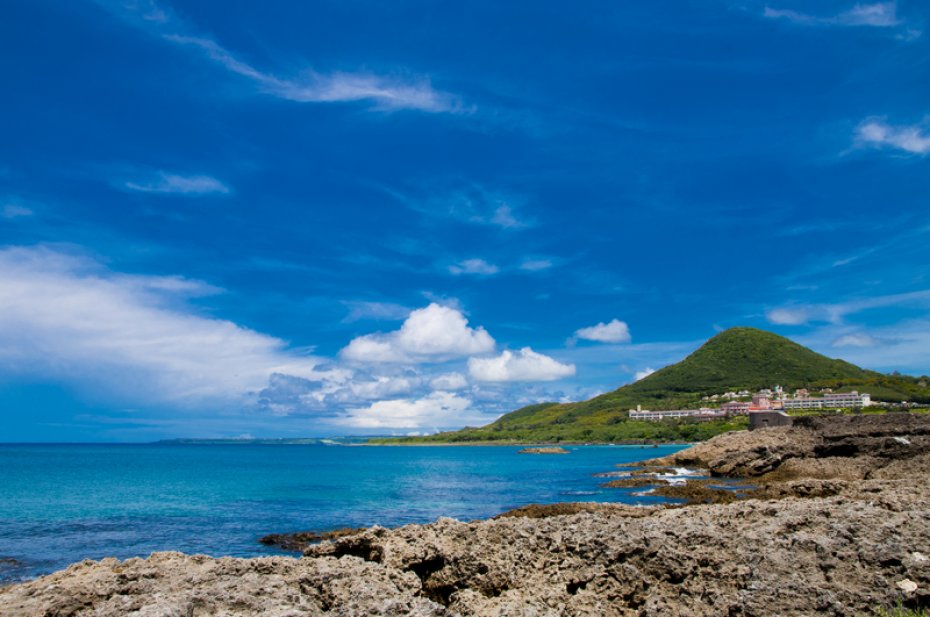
{"points": [[737, 359]]}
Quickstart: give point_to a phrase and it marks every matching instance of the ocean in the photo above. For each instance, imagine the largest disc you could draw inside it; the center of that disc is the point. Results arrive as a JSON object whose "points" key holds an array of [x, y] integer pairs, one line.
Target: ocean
{"points": [[63, 503]]}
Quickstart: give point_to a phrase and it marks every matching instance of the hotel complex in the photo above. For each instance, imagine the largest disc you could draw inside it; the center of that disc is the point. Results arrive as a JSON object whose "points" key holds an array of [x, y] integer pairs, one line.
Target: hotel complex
{"points": [[763, 400]]}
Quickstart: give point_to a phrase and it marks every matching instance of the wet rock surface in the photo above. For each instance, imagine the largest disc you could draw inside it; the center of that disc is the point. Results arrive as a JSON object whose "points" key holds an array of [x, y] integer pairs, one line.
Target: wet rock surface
{"points": [[299, 541], [819, 537]]}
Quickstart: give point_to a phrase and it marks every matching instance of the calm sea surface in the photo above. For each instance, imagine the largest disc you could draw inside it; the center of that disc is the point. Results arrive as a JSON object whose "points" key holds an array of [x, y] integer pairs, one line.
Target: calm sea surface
{"points": [[63, 503]]}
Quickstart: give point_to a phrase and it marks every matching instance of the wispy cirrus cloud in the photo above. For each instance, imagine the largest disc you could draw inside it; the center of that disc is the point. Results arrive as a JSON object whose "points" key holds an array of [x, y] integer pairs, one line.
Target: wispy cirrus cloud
{"points": [[167, 183], [878, 133], [465, 202], [876, 15], [388, 311], [536, 265], [799, 314], [903, 346], [14, 210], [386, 92], [474, 266]]}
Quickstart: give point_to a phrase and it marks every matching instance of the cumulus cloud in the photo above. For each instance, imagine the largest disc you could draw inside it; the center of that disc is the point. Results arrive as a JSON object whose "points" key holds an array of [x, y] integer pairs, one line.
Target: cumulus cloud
{"points": [[448, 381], [441, 409], [522, 365], [177, 184], [68, 318], [615, 331], [877, 133], [646, 372], [432, 333], [876, 15], [474, 266]]}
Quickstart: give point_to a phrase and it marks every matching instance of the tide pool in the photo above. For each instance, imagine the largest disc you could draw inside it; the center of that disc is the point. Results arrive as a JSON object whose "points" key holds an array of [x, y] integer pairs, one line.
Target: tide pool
{"points": [[64, 503]]}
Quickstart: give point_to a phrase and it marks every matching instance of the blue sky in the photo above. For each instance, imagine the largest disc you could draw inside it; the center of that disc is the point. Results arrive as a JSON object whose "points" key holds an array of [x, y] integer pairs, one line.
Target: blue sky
{"points": [[278, 219]]}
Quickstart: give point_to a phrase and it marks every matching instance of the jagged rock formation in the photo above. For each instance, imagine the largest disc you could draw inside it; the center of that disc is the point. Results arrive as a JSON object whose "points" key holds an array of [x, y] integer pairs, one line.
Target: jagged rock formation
{"points": [[844, 531], [853, 447]]}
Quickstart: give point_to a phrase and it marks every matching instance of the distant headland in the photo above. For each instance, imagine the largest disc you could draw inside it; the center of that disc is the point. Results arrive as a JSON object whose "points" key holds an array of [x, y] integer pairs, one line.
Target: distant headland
{"points": [[711, 391]]}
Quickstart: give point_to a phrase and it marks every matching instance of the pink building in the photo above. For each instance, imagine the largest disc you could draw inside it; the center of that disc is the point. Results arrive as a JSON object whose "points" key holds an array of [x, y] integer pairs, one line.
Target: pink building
{"points": [[760, 401], [736, 408]]}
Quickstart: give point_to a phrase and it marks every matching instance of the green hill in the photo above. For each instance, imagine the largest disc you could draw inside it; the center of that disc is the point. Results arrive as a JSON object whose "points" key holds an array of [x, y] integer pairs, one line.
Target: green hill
{"points": [[737, 359]]}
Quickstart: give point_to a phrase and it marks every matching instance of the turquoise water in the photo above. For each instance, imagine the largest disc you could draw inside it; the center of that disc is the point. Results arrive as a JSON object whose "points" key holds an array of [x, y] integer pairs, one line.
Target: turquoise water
{"points": [[63, 503]]}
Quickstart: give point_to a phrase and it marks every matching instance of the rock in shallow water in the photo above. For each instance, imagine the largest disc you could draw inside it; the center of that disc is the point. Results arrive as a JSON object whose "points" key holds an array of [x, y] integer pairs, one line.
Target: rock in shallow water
{"points": [[543, 450]]}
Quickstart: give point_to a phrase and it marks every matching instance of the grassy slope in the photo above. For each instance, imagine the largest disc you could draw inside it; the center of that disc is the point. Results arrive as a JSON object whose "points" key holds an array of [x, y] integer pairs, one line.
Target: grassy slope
{"points": [[739, 358]]}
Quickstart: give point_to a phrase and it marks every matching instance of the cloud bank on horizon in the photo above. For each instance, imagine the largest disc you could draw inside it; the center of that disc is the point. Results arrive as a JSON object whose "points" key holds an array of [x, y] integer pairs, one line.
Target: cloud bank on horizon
{"points": [[302, 219]]}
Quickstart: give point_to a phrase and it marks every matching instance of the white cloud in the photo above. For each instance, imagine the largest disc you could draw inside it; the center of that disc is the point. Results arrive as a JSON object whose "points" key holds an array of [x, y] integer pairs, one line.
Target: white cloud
{"points": [[388, 93], [448, 381], [857, 339], [432, 333], [474, 266], [177, 184], [375, 310], [503, 217], [877, 133], [646, 372], [791, 316], [877, 15], [535, 265], [442, 409], [467, 203], [903, 346], [615, 331], [795, 315], [14, 211], [524, 365], [381, 386], [69, 319], [147, 10]]}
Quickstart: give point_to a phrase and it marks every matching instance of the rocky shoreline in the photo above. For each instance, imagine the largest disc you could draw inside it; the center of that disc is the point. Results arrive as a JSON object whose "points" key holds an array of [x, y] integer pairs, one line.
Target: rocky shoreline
{"points": [[837, 523]]}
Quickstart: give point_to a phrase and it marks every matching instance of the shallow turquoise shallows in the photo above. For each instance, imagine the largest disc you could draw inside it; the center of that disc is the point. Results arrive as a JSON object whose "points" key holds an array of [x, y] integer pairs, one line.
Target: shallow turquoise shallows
{"points": [[63, 503]]}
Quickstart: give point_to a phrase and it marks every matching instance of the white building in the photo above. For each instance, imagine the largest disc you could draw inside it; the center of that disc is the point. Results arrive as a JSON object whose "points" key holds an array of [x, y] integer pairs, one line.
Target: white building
{"points": [[829, 401], [802, 403], [704, 413], [847, 399]]}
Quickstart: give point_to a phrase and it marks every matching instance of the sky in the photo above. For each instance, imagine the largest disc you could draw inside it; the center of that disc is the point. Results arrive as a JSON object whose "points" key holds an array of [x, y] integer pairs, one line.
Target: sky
{"points": [[280, 219]]}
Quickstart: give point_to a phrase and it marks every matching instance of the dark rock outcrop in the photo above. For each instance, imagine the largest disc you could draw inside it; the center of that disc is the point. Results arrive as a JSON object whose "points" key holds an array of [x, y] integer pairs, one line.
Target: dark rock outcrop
{"points": [[299, 541]]}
